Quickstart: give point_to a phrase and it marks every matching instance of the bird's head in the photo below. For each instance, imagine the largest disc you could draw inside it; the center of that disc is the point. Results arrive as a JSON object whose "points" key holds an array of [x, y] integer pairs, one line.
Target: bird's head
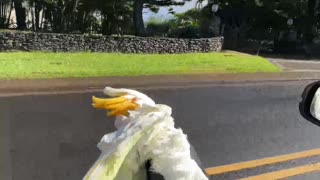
{"points": [[122, 101]]}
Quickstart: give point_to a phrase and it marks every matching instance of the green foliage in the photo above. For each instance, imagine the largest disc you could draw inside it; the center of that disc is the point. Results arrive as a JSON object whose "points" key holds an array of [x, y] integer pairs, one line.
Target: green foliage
{"points": [[266, 18], [262, 18], [182, 25], [84, 16], [158, 27], [187, 19], [5, 8], [186, 25], [116, 16]]}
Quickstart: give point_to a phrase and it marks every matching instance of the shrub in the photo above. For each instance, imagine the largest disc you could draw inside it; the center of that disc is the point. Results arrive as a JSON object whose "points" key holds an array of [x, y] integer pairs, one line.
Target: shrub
{"points": [[157, 27], [183, 25]]}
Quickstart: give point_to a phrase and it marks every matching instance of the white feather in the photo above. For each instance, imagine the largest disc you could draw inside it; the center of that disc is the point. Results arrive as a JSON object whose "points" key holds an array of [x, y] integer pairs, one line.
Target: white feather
{"points": [[166, 146]]}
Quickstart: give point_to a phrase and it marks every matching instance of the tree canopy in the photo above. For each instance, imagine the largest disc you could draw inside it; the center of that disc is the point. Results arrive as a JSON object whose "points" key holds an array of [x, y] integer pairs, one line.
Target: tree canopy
{"points": [[83, 16], [258, 19]]}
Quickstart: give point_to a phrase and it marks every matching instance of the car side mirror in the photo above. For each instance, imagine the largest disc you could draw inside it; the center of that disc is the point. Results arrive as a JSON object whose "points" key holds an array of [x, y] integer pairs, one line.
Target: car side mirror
{"points": [[310, 104]]}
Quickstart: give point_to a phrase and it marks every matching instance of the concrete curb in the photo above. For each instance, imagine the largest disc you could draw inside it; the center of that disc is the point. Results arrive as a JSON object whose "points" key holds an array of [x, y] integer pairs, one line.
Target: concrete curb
{"points": [[91, 84]]}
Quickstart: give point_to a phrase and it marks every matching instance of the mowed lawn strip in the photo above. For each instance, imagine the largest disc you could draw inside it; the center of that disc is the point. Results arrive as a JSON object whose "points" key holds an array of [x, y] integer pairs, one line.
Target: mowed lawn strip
{"points": [[34, 65]]}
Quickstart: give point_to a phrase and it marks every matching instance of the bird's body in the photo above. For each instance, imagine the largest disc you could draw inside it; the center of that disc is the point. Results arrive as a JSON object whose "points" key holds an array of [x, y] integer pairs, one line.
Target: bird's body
{"points": [[146, 133]]}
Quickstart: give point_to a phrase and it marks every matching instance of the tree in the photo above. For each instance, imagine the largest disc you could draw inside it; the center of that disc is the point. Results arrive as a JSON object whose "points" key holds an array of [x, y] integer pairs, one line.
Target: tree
{"points": [[20, 14], [187, 24], [182, 25], [138, 17], [35, 7], [5, 13], [56, 14], [153, 5], [313, 7], [265, 19], [116, 15]]}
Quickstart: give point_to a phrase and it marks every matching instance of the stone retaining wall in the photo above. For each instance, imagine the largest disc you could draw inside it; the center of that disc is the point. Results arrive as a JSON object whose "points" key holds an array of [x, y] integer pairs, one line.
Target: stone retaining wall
{"points": [[10, 41]]}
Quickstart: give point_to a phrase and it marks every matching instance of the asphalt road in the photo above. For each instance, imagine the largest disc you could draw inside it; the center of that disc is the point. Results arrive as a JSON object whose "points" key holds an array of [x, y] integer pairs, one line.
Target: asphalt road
{"points": [[297, 65], [54, 136]]}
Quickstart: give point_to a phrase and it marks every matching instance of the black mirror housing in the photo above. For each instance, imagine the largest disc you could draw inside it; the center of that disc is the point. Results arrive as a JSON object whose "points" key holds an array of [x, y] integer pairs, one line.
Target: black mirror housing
{"points": [[307, 98]]}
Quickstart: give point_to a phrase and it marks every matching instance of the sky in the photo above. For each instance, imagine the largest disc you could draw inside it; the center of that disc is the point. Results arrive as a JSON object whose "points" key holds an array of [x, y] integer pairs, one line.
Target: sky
{"points": [[163, 12]]}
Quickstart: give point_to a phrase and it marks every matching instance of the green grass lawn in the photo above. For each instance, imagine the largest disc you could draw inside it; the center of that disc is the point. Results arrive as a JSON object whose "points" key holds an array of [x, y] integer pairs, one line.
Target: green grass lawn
{"points": [[33, 65]]}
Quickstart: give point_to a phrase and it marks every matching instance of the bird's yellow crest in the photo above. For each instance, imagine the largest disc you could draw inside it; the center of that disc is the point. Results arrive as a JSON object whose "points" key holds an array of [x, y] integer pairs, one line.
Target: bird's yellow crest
{"points": [[116, 106]]}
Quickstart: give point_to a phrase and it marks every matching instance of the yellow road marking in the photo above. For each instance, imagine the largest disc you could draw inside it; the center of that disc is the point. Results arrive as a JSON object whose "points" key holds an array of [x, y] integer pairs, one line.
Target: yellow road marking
{"points": [[286, 172], [260, 162]]}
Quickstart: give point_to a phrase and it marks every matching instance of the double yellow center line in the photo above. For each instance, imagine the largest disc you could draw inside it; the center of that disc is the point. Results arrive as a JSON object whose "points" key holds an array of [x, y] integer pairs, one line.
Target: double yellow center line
{"points": [[271, 160]]}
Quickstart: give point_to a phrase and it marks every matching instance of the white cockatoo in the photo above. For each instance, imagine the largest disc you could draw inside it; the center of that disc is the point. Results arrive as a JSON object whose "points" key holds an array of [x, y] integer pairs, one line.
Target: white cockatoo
{"points": [[145, 131]]}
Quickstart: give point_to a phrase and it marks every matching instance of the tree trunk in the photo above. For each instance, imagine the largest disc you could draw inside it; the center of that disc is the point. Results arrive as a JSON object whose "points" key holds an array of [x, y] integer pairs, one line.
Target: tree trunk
{"points": [[3, 14], [32, 18], [138, 18], [310, 21], [9, 16], [37, 10], [20, 15], [106, 24]]}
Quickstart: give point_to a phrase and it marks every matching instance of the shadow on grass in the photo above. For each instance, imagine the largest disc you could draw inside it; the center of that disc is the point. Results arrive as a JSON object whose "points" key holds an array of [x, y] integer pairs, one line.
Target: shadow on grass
{"points": [[293, 55]]}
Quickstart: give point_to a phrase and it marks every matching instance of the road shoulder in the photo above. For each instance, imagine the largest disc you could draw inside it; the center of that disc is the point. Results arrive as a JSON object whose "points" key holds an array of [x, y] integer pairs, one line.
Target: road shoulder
{"points": [[98, 83]]}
